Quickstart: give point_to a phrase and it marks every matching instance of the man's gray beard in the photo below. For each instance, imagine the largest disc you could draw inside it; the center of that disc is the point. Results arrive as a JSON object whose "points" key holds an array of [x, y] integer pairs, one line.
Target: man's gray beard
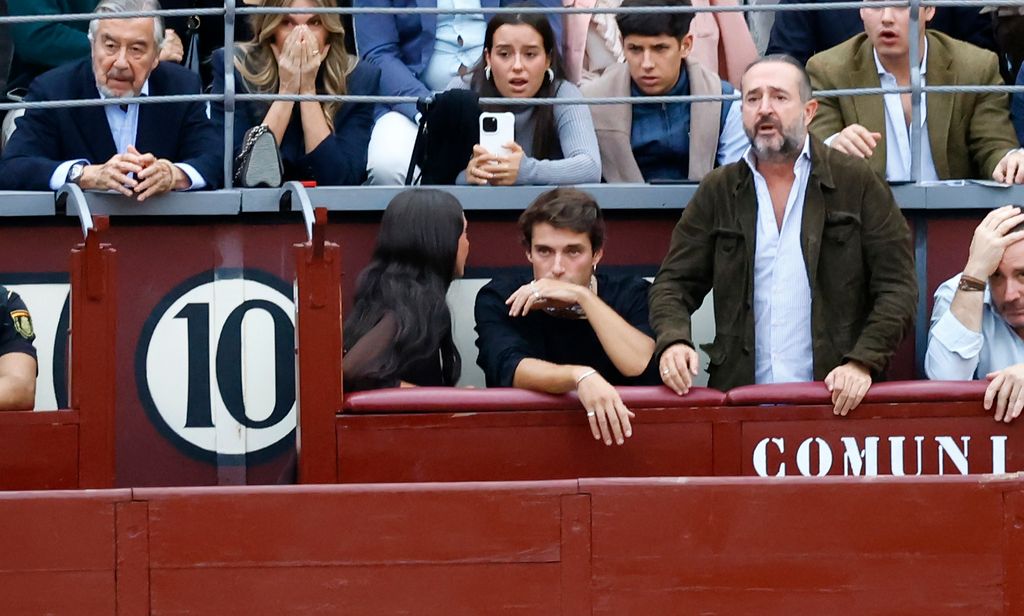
{"points": [[788, 151], [107, 92]]}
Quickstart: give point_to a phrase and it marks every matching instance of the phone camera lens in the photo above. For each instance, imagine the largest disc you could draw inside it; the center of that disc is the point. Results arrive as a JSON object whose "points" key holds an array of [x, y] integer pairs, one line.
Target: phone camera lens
{"points": [[490, 124]]}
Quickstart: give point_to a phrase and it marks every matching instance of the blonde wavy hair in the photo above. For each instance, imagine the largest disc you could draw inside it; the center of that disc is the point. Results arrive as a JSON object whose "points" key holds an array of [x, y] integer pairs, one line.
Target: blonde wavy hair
{"points": [[256, 62]]}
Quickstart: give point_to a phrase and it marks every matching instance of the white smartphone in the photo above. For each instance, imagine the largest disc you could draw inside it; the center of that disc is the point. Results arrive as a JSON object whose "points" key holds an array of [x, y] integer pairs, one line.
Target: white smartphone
{"points": [[497, 129]]}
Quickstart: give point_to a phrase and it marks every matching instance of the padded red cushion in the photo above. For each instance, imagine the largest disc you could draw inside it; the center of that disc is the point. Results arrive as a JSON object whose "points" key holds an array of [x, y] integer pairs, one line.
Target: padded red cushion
{"points": [[895, 391], [450, 399]]}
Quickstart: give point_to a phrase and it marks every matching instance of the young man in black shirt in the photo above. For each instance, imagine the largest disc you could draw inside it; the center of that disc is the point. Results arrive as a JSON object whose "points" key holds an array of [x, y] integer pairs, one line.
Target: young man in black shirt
{"points": [[568, 328]]}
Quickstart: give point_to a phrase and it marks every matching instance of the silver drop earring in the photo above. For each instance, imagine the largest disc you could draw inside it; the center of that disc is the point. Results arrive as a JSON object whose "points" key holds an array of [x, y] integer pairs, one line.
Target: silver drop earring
{"points": [[551, 75], [487, 72]]}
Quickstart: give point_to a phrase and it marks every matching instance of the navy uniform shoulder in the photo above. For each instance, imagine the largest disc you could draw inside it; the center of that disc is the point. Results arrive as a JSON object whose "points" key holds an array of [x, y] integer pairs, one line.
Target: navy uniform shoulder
{"points": [[14, 313]]}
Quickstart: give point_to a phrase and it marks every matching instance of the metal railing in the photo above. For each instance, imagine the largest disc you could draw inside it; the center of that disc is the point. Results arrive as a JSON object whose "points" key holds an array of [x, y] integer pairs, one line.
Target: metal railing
{"points": [[231, 96]]}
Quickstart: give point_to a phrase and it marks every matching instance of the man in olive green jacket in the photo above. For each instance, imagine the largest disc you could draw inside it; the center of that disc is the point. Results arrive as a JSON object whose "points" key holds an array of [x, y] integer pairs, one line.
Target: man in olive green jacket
{"points": [[837, 288]]}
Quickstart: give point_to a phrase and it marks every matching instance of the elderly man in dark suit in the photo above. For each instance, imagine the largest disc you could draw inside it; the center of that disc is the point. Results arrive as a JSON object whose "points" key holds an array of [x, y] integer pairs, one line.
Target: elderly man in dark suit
{"points": [[137, 150], [805, 248]]}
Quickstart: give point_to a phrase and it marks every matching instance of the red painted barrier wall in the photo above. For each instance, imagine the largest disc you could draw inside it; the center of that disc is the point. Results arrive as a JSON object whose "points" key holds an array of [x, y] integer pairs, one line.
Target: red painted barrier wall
{"points": [[73, 448], [604, 546], [440, 434]]}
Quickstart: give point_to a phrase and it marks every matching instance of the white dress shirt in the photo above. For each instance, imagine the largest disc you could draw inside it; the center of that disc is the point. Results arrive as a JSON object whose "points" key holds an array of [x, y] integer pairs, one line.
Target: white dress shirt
{"points": [[782, 294], [956, 353], [897, 131], [458, 41], [124, 127]]}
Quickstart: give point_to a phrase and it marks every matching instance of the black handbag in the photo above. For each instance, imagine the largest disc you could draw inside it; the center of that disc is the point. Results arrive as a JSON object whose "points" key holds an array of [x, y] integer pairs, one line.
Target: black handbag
{"points": [[446, 136], [259, 162]]}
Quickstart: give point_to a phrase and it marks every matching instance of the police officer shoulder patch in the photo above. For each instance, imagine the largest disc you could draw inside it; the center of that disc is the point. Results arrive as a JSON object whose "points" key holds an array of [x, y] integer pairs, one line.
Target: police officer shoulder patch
{"points": [[23, 324], [20, 317]]}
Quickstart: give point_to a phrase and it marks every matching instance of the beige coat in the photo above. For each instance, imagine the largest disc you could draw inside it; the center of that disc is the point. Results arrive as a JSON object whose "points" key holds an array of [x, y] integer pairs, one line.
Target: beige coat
{"points": [[614, 123]]}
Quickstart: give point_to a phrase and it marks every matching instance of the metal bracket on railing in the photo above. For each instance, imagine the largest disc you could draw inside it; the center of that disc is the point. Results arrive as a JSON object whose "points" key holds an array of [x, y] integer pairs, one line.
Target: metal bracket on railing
{"points": [[93, 229], [296, 193], [73, 193]]}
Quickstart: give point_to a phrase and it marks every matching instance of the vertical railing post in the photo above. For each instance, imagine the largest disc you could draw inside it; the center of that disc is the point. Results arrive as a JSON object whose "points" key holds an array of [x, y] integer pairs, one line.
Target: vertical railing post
{"points": [[915, 94], [318, 364], [229, 93], [93, 366]]}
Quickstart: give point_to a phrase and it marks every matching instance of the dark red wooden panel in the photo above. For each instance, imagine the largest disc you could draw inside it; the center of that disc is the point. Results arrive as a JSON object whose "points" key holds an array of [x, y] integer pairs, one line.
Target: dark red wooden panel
{"points": [[466, 523], [132, 559], [528, 445], [38, 450], [575, 570], [1013, 562], [58, 552], [371, 590], [701, 546], [57, 593]]}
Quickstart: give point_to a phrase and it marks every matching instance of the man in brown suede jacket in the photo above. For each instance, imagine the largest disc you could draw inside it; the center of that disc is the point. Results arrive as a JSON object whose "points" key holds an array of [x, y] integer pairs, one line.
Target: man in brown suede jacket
{"points": [[808, 255]]}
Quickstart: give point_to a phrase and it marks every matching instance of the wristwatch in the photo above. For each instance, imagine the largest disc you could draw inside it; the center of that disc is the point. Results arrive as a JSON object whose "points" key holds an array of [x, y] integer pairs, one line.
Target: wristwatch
{"points": [[75, 174]]}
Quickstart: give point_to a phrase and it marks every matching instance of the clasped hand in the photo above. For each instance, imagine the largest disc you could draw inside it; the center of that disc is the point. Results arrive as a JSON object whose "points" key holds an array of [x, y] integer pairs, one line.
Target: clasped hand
{"points": [[153, 176], [298, 61]]}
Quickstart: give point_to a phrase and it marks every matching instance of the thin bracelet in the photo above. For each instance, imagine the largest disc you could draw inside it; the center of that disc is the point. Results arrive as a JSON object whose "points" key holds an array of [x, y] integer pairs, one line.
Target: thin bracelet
{"points": [[579, 380]]}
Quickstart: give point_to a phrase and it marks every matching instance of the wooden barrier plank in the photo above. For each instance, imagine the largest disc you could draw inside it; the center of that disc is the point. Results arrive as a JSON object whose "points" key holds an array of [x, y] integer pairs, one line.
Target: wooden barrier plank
{"points": [[37, 455], [358, 525], [57, 593], [575, 568], [535, 445], [132, 559], [1013, 552], [797, 546], [58, 552], [373, 590]]}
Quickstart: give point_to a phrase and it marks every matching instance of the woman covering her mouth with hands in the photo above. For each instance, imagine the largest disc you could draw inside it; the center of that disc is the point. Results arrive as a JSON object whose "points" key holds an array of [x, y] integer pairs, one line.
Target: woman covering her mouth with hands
{"points": [[300, 54]]}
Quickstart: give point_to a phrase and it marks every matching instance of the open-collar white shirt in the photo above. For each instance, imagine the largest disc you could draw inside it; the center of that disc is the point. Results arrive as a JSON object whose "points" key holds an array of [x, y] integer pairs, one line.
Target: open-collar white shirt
{"points": [[783, 350]]}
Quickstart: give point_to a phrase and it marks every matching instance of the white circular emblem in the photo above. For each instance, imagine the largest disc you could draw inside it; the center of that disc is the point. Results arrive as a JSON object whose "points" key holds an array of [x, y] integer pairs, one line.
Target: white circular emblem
{"points": [[216, 363]]}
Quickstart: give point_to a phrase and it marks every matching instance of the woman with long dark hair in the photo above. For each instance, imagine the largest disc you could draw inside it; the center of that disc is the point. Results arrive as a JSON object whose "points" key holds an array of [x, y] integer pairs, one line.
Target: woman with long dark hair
{"points": [[399, 331], [553, 144]]}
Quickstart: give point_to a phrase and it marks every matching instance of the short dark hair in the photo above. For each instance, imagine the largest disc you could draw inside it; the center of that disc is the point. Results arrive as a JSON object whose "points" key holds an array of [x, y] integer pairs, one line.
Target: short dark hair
{"points": [[676, 25], [564, 208], [805, 79]]}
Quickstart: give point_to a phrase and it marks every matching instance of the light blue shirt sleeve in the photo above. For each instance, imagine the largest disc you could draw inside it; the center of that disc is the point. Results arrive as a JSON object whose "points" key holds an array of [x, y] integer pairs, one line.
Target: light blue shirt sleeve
{"points": [[733, 140], [953, 350], [60, 174], [198, 181]]}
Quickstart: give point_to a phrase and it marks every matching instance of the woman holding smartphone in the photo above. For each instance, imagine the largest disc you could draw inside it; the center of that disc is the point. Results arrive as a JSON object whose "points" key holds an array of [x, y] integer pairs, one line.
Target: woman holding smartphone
{"points": [[553, 144], [399, 332]]}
